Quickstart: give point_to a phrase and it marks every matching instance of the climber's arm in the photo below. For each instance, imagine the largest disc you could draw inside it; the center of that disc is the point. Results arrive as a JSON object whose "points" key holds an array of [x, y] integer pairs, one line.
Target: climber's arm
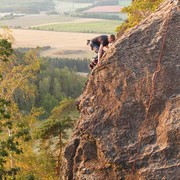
{"points": [[100, 53]]}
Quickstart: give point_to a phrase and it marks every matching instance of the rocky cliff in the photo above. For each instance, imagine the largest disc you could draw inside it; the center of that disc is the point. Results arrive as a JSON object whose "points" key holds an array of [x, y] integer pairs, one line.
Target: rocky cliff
{"points": [[129, 127]]}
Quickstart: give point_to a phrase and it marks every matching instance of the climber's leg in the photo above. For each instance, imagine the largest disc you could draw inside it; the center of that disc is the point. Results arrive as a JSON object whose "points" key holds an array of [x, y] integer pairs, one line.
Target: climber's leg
{"points": [[94, 62]]}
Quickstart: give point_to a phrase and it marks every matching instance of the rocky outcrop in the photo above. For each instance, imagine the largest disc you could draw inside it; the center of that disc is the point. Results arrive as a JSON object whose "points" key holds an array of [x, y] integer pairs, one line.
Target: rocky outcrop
{"points": [[129, 127]]}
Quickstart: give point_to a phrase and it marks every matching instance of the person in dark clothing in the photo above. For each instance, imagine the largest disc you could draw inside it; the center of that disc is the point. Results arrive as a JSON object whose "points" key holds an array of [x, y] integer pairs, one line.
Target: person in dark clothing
{"points": [[97, 44], [97, 41]]}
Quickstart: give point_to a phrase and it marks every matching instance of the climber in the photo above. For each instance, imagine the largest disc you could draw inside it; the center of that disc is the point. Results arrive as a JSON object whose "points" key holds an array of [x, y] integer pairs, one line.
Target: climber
{"points": [[99, 45]]}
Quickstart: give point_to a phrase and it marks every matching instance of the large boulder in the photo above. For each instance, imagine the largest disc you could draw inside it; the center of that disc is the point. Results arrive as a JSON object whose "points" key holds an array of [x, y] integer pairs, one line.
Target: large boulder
{"points": [[129, 127]]}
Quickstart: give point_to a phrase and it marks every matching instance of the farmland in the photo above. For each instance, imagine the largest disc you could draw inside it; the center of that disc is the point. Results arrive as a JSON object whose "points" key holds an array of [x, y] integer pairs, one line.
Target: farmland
{"points": [[64, 31], [125, 2], [26, 6], [104, 9], [63, 6], [35, 19], [62, 23], [66, 19], [101, 26], [63, 44], [35, 6]]}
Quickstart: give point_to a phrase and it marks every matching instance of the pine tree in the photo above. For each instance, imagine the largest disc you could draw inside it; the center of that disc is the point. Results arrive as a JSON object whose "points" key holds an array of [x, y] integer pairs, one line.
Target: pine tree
{"points": [[57, 127]]}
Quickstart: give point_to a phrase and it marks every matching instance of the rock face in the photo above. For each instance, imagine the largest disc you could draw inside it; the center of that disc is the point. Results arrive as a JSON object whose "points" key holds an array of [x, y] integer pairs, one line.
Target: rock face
{"points": [[129, 127]]}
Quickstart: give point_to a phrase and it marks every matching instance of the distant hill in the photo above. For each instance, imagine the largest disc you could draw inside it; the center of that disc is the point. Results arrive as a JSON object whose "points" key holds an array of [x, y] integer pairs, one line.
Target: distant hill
{"points": [[26, 6]]}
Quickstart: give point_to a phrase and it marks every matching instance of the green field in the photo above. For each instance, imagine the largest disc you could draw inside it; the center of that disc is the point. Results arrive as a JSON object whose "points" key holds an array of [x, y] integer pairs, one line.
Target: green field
{"points": [[125, 2], [64, 6], [103, 26]]}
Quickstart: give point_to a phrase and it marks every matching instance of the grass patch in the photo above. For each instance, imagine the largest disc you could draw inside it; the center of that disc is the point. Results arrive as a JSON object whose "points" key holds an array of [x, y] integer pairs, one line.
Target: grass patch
{"points": [[86, 27]]}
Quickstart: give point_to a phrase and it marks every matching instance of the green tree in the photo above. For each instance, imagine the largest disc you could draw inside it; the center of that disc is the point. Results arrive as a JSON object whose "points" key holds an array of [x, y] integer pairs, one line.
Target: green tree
{"points": [[14, 132], [57, 127], [35, 162], [54, 84], [10, 133], [138, 11]]}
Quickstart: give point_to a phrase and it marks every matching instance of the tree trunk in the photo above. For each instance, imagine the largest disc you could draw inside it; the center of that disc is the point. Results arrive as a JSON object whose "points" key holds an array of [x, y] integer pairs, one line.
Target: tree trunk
{"points": [[59, 155]]}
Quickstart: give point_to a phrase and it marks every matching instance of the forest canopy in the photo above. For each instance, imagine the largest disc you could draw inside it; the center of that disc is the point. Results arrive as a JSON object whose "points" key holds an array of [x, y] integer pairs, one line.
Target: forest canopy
{"points": [[34, 94]]}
